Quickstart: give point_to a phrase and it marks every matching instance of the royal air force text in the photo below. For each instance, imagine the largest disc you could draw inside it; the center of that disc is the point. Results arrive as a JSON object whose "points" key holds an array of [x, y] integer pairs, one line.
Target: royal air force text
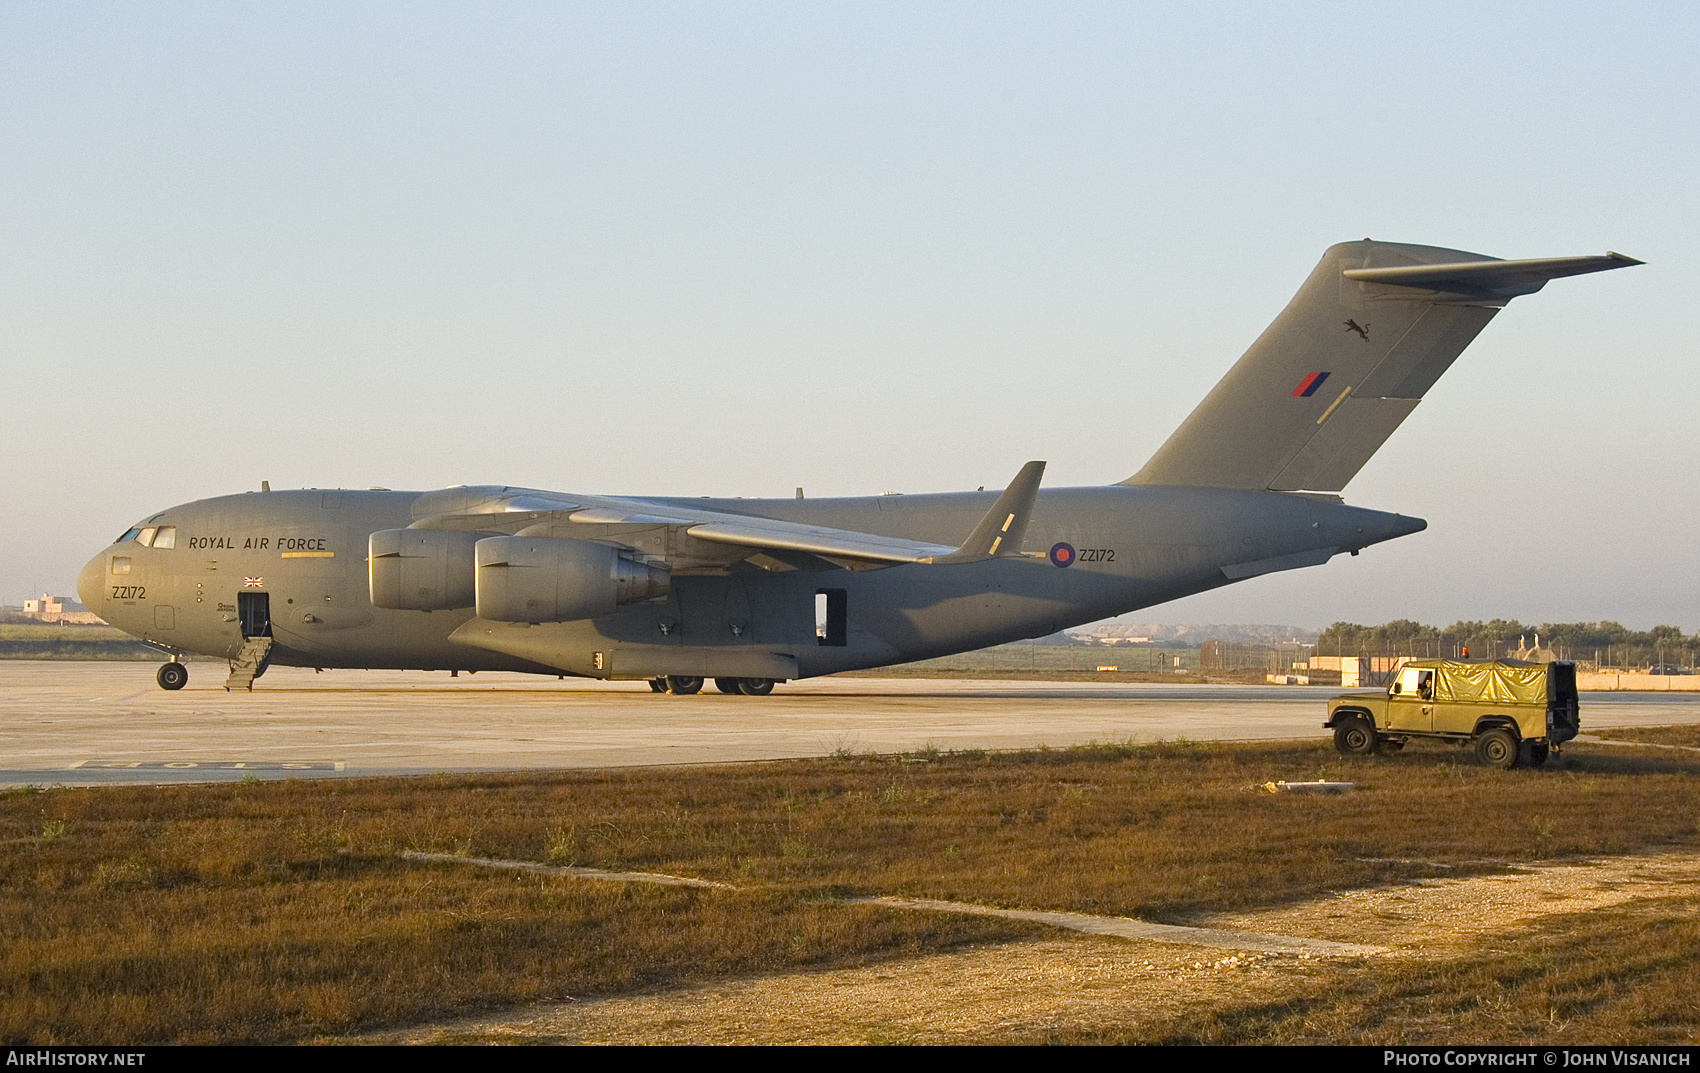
{"points": [[259, 543]]}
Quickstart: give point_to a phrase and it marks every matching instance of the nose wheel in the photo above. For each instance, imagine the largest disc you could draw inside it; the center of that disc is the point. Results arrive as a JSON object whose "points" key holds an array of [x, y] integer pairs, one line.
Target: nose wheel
{"points": [[172, 676]]}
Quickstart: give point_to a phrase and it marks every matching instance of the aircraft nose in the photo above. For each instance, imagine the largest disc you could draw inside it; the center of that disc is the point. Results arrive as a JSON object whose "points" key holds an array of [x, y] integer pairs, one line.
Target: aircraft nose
{"points": [[89, 580]]}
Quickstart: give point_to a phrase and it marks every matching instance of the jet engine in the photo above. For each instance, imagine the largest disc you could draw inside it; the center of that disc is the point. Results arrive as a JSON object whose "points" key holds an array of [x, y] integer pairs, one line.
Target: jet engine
{"points": [[422, 569], [540, 579]]}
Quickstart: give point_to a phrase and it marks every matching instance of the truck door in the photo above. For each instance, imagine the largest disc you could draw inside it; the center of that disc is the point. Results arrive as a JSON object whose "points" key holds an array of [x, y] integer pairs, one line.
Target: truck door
{"points": [[1410, 700]]}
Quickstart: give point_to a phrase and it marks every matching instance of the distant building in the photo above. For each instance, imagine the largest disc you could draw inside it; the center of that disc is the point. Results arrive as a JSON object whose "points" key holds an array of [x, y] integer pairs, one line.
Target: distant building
{"points": [[61, 609], [1369, 664]]}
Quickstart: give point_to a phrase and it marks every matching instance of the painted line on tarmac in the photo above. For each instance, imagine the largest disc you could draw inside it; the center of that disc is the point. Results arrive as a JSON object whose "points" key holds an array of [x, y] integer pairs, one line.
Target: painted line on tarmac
{"points": [[1593, 739], [1119, 927]]}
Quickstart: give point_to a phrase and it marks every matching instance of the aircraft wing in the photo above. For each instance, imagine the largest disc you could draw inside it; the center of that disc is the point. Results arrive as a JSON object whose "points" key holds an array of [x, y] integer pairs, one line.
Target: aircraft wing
{"points": [[755, 532], [997, 536]]}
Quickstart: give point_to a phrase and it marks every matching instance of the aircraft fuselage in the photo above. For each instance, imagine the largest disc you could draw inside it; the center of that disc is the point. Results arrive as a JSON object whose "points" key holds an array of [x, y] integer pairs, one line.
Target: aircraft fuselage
{"points": [[299, 559]]}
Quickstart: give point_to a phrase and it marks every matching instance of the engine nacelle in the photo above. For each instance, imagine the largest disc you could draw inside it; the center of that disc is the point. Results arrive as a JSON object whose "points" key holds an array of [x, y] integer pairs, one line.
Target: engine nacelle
{"points": [[541, 579], [422, 569]]}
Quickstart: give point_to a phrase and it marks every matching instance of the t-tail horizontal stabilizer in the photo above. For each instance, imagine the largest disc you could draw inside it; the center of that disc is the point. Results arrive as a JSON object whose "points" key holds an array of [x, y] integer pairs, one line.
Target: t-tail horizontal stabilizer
{"points": [[999, 533], [1322, 388], [1501, 280]]}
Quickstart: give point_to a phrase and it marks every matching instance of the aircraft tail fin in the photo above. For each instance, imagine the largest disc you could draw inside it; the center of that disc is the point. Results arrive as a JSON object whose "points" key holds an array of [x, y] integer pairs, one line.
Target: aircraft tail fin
{"points": [[999, 533], [1325, 385]]}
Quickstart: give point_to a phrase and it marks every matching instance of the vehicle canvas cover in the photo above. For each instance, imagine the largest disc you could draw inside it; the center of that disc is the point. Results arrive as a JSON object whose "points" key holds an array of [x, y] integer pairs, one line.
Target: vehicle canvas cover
{"points": [[1490, 683]]}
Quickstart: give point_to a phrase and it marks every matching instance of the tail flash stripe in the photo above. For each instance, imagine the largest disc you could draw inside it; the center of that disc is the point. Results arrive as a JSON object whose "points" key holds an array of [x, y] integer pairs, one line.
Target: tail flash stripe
{"points": [[1307, 387]]}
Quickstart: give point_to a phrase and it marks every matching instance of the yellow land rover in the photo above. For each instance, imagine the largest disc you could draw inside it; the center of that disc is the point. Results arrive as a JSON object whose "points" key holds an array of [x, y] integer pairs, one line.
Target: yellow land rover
{"points": [[1514, 713]]}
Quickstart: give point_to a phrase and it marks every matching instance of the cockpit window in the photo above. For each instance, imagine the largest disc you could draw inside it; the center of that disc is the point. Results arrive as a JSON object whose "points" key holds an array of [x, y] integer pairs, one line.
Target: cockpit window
{"points": [[146, 539], [129, 534], [166, 537]]}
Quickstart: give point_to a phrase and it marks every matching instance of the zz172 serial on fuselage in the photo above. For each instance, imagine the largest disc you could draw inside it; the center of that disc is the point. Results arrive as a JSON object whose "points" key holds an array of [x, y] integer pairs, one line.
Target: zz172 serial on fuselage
{"points": [[749, 592]]}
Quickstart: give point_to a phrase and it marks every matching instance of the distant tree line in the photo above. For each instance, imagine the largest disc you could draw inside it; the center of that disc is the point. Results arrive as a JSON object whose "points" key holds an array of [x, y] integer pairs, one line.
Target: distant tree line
{"points": [[1607, 643]]}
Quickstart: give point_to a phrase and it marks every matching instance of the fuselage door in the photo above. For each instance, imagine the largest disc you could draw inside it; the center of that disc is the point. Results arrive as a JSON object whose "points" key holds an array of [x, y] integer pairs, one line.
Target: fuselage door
{"points": [[253, 610]]}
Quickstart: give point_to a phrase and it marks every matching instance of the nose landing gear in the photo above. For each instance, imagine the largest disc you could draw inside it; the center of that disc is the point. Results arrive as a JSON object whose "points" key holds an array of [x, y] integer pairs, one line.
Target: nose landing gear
{"points": [[173, 675]]}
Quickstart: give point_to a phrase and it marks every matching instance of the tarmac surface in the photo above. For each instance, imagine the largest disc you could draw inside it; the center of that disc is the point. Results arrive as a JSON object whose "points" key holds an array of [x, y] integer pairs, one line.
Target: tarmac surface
{"points": [[67, 723]]}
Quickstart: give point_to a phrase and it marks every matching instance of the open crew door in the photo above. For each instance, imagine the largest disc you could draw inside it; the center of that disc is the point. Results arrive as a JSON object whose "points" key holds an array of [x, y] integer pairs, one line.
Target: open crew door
{"points": [[253, 611]]}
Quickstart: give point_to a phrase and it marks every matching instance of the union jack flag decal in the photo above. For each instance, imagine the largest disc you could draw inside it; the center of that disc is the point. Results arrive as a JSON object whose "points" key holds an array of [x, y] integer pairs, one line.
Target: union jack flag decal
{"points": [[253, 582]]}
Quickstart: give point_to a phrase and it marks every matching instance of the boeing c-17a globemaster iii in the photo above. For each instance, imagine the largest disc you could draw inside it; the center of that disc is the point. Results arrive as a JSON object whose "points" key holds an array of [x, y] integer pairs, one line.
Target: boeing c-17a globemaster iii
{"points": [[750, 592]]}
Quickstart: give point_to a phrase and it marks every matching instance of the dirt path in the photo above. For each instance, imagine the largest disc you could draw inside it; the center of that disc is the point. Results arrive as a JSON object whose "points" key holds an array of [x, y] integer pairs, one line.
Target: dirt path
{"points": [[983, 994], [1024, 989], [1437, 917]]}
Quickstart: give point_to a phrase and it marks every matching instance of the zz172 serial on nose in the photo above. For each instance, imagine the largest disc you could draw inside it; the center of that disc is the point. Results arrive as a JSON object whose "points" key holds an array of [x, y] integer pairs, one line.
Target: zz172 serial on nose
{"points": [[749, 592]]}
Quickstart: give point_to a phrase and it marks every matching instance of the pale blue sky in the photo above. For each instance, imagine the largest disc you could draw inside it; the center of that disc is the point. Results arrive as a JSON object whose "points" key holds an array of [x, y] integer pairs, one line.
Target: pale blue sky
{"points": [[733, 248]]}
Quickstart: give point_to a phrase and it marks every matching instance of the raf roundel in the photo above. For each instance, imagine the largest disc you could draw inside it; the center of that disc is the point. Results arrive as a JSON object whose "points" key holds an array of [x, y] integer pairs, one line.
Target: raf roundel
{"points": [[1062, 554]]}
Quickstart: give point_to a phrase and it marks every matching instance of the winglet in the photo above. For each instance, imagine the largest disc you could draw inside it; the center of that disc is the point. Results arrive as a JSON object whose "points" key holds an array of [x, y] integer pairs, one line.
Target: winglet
{"points": [[999, 533]]}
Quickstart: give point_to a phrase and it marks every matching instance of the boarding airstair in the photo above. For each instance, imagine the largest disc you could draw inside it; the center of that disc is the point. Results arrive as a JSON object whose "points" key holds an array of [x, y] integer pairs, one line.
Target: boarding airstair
{"points": [[249, 663]]}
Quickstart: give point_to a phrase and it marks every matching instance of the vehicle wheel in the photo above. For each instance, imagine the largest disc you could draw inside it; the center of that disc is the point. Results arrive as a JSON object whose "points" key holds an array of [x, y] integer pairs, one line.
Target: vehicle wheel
{"points": [[658, 685], [1497, 748], [684, 685], [727, 685], [173, 676], [755, 687], [1534, 754], [1354, 737]]}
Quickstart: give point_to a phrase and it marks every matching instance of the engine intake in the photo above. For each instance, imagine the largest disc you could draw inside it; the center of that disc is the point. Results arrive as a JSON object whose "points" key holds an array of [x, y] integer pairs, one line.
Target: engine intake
{"points": [[541, 579], [422, 569]]}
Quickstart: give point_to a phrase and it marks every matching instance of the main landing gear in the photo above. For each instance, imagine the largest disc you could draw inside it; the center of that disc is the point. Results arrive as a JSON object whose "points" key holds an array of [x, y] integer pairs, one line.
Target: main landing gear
{"points": [[683, 685], [173, 675]]}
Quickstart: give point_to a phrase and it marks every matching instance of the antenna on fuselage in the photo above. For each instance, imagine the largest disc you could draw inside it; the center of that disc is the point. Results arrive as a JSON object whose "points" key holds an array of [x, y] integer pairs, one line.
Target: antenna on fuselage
{"points": [[265, 486]]}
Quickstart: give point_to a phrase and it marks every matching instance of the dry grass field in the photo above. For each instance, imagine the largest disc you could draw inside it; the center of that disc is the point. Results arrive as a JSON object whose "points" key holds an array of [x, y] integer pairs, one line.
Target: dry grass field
{"points": [[279, 911]]}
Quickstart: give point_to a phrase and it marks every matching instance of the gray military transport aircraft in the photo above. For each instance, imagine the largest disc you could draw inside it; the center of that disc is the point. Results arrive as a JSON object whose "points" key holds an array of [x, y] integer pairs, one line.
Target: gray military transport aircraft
{"points": [[749, 592]]}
